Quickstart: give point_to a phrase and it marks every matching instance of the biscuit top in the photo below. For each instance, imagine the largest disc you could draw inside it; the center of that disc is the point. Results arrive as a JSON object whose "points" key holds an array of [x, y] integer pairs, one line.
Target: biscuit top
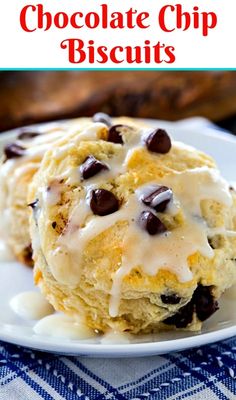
{"points": [[134, 176], [22, 159]]}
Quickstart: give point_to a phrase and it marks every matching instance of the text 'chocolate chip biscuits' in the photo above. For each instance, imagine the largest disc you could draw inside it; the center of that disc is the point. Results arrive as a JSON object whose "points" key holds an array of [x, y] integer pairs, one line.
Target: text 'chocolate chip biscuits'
{"points": [[127, 247]]}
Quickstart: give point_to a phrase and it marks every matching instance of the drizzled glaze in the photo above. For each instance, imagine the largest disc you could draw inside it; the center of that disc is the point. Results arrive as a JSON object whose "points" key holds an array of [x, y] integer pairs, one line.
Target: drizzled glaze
{"points": [[168, 251], [15, 169], [31, 305]]}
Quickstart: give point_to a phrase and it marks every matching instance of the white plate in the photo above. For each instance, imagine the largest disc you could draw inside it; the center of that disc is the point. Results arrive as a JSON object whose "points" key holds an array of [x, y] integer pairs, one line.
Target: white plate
{"points": [[15, 278]]}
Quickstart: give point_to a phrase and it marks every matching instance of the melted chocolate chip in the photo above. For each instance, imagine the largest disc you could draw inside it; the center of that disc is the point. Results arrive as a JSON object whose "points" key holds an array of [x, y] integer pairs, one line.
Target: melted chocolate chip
{"points": [[103, 118], [103, 202], [183, 317], [27, 255], [34, 204], [170, 299], [158, 141], [91, 167], [114, 134], [205, 303], [149, 222], [13, 150], [159, 198], [27, 135], [54, 225]]}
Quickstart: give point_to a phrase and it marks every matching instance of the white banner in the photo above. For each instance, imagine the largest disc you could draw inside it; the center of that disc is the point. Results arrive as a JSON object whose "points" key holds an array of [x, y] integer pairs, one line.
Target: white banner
{"points": [[117, 34]]}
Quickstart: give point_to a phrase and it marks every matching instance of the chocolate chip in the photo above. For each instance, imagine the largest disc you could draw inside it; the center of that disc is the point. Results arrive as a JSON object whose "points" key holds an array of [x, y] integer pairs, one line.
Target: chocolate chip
{"points": [[54, 225], [27, 255], [158, 141], [103, 202], [27, 135], [159, 198], [103, 118], [170, 299], [91, 167], [183, 317], [13, 150], [211, 244], [114, 134], [34, 204], [203, 303], [149, 222], [206, 305]]}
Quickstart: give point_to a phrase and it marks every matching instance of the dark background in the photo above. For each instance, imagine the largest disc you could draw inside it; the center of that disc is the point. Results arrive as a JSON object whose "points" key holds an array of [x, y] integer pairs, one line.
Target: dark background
{"points": [[35, 96]]}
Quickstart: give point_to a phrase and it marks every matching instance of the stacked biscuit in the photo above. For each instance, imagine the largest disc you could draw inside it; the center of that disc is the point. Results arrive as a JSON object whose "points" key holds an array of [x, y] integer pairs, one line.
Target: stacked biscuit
{"points": [[129, 230]]}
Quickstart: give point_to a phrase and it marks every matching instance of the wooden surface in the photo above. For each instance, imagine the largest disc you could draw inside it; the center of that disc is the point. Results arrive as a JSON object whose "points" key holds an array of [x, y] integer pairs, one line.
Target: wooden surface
{"points": [[29, 97]]}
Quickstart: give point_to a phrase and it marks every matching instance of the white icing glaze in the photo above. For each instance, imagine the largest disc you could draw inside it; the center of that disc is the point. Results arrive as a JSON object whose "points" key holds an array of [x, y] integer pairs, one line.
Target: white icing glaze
{"points": [[47, 136], [52, 193], [5, 252], [198, 184], [114, 337], [173, 248], [62, 326], [171, 251], [116, 164], [161, 197], [71, 176], [168, 251], [35, 149], [183, 146], [31, 305], [88, 133], [39, 144], [220, 231]]}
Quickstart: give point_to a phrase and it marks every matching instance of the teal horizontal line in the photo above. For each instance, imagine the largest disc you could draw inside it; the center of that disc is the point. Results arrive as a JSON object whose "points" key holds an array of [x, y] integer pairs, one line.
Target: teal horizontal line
{"points": [[118, 69]]}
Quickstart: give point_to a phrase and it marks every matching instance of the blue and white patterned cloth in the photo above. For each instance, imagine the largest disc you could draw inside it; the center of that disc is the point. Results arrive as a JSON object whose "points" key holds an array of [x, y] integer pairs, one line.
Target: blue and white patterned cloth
{"points": [[207, 373]]}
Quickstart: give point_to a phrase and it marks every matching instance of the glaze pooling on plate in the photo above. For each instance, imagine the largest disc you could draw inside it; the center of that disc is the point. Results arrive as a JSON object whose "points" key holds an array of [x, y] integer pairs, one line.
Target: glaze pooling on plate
{"points": [[64, 327], [31, 305]]}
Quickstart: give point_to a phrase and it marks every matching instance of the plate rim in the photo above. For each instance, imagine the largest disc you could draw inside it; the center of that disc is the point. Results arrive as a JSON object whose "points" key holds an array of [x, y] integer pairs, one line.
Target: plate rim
{"points": [[115, 350]]}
